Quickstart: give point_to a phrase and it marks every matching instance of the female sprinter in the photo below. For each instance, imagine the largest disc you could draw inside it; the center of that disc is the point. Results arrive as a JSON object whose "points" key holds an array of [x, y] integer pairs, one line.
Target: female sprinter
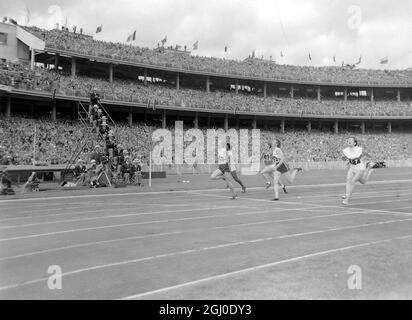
{"points": [[358, 170], [280, 169], [225, 158], [267, 172]]}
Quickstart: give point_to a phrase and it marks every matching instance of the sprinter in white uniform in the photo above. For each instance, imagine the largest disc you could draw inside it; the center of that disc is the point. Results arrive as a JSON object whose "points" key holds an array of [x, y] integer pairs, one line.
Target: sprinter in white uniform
{"points": [[267, 171], [359, 171], [226, 165], [280, 169]]}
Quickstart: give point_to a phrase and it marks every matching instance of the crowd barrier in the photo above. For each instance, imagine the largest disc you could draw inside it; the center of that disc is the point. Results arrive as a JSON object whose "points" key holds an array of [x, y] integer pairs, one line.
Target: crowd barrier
{"points": [[185, 169]]}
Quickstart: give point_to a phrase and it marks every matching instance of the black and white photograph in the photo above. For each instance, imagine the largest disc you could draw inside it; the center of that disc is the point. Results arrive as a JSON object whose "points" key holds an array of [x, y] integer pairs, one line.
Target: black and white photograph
{"points": [[205, 155]]}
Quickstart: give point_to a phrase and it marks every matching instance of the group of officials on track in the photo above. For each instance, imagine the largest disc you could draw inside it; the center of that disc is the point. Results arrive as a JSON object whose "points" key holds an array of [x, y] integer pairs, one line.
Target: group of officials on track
{"points": [[277, 171]]}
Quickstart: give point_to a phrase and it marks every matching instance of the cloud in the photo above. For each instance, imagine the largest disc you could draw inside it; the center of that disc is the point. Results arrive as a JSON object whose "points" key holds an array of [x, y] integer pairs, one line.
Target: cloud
{"points": [[321, 27]]}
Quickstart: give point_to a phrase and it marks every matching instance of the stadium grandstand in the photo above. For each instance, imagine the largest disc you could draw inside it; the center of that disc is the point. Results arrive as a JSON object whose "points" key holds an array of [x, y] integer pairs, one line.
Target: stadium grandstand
{"points": [[144, 89]]}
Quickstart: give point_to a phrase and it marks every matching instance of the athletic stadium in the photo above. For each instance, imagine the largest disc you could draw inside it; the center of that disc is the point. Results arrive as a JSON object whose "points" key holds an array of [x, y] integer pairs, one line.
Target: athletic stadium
{"points": [[83, 198]]}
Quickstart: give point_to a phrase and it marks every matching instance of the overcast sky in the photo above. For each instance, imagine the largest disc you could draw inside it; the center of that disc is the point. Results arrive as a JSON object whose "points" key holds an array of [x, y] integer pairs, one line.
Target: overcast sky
{"points": [[372, 29]]}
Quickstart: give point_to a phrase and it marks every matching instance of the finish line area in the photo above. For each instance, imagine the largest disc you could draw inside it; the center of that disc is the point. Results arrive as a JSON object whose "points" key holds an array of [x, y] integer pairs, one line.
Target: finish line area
{"points": [[196, 243]]}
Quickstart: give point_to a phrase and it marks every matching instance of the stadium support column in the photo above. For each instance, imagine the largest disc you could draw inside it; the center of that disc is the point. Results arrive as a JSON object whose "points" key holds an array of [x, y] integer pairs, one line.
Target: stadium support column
{"points": [[208, 84], [254, 123], [56, 61], [363, 127], [196, 121], [237, 87], [145, 77], [178, 81], [318, 93], [265, 90], [345, 95], [336, 126], [8, 107], [292, 92], [282, 126], [54, 111], [309, 126], [164, 119], [372, 96], [226, 124], [73, 67], [237, 123], [130, 118], [266, 124], [208, 121], [32, 56], [111, 73], [398, 95]]}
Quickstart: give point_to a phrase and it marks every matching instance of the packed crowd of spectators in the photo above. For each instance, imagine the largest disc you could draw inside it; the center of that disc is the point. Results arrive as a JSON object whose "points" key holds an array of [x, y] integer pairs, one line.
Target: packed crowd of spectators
{"points": [[19, 76], [56, 142], [255, 68]]}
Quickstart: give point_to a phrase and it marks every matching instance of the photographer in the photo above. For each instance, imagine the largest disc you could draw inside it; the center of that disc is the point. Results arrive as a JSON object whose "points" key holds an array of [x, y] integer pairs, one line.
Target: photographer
{"points": [[5, 184], [80, 172], [96, 155], [94, 97], [137, 172], [103, 127]]}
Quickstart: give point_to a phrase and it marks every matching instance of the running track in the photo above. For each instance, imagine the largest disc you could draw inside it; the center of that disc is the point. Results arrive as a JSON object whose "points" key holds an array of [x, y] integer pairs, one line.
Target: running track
{"points": [[196, 243]]}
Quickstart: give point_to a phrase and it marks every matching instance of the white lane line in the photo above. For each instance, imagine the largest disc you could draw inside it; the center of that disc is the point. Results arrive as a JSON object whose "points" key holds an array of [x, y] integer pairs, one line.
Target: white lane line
{"points": [[134, 206], [185, 191], [239, 225], [353, 204], [69, 206], [364, 211], [361, 195], [263, 266], [179, 253], [118, 216], [275, 210]]}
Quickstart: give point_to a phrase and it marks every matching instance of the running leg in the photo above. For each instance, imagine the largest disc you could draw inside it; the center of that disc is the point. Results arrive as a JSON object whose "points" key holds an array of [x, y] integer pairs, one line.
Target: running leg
{"points": [[276, 177], [219, 175], [235, 177]]}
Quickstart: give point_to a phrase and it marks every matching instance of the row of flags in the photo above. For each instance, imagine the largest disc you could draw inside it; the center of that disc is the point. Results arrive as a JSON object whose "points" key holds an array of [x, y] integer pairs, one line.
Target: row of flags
{"points": [[132, 37], [384, 60]]}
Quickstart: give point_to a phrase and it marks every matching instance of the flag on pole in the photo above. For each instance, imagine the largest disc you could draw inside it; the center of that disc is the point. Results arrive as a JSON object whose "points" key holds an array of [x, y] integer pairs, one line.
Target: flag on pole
{"points": [[281, 54], [132, 37], [13, 21], [334, 58], [226, 48], [384, 60], [360, 60], [310, 57], [196, 45], [99, 29], [28, 14], [253, 54], [164, 41]]}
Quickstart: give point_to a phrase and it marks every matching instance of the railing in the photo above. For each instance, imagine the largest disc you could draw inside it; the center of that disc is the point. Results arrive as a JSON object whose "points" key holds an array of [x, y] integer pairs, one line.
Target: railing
{"points": [[215, 72], [185, 169]]}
